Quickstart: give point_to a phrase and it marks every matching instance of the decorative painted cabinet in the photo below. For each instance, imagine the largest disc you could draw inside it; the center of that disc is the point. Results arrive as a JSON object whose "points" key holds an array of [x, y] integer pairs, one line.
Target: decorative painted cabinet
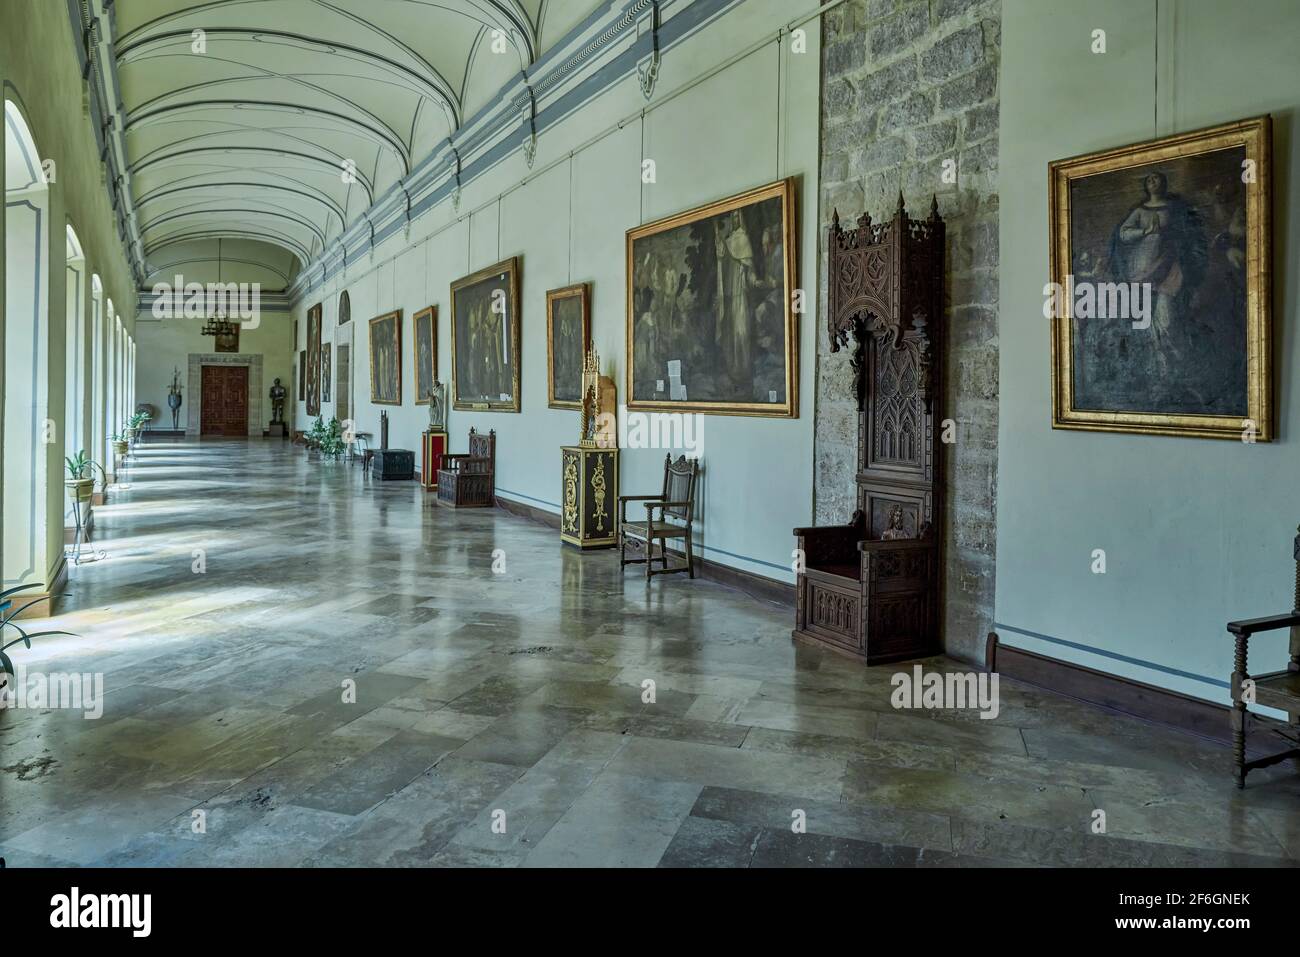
{"points": [[870, 588], [589, 496]]}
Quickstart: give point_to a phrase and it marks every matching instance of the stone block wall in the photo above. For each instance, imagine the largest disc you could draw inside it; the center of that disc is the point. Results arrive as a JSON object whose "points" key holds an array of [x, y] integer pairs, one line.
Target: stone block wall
{"points": [[909, 92]]}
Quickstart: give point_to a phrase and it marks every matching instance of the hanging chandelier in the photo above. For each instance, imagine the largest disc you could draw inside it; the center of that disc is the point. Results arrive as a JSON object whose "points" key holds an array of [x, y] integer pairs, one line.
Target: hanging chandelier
{"points": [[217, 324]]}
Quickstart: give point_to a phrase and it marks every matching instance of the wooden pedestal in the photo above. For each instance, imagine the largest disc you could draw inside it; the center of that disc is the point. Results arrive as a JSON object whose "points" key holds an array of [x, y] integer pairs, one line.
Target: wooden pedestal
{"points": [[589, 496], [433, 446]]}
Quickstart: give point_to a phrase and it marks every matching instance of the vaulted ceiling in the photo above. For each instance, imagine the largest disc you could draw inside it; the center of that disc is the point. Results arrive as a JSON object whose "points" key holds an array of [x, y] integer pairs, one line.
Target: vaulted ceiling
{"points": [[279, 122]]}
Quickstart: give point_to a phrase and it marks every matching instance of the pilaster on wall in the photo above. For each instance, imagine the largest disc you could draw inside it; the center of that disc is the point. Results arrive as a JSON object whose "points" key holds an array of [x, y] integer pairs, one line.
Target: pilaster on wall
{"points": [[910, 103]]}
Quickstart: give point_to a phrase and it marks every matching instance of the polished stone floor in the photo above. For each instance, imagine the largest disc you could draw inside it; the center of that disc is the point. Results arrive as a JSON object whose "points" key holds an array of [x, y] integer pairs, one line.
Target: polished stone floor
{"points": [[304, 667]]}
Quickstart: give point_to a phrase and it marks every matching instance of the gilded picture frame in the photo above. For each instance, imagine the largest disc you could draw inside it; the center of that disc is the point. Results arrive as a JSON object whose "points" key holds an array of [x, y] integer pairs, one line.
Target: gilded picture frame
{"points": [[711, 324], [1180, 226], [314, 319], [325, 371], [567, 346], [424, 351], [386, 358], [484, 341]]}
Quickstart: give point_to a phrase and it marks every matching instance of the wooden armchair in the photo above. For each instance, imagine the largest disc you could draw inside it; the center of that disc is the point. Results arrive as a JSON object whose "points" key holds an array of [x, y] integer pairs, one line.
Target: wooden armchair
{"points": [[676, 505], [1277, 689], [469, 480]]}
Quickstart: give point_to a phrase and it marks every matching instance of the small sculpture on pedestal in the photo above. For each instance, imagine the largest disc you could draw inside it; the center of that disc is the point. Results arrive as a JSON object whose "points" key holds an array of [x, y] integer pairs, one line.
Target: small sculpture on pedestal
{"points": [[437, 396], [174, 399]]}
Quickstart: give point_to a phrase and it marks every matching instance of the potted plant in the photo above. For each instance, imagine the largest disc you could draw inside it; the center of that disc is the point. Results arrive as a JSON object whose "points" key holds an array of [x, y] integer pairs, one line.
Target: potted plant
{"points": [[7, 615], [119, 440], [316, 434], [331, 442], [80, 482], [135, 422]]}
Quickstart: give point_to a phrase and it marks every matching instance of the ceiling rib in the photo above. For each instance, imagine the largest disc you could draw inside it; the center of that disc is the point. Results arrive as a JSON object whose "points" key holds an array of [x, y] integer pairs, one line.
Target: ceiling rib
{"points": [[384, 134], [435, 86], [137, 168]]}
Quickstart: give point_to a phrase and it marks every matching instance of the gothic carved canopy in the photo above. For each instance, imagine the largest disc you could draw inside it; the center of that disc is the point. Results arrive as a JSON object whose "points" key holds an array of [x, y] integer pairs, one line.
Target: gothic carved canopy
{"points": [[885, 281]]}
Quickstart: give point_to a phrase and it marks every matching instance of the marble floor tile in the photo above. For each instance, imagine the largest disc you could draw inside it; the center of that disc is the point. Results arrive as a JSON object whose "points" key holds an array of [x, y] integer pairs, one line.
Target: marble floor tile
{"points": [[230, 693]]}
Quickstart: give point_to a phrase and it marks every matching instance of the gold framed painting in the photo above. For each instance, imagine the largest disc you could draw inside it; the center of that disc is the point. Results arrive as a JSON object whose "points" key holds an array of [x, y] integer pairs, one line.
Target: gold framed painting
{"points": [[314, 318], [424, 349], [1160, 286], [711, 325], [568, 337], [386, 358], [485, 339]]}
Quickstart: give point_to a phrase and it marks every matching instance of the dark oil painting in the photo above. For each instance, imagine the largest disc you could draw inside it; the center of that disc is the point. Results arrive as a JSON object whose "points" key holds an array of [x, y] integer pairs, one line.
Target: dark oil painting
{"points": [[386, 359], [568, 336], [485, 339], [1176, 229], [710, 321], [425, 347]]}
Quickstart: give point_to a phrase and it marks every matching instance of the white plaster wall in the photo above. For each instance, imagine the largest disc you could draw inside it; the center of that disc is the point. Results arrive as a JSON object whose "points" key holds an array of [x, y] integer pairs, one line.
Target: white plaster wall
{"points": [[568, 223], [165, 345], [1196, 532]]}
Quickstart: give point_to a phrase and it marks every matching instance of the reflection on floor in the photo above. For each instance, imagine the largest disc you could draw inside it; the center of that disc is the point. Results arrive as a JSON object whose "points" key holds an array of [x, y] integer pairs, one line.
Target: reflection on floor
{"points": [[499, 718]]}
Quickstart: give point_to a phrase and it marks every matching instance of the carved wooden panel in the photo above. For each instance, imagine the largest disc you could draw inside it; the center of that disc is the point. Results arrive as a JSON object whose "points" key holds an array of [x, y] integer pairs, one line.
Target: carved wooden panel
{"points": [[885, 296]]}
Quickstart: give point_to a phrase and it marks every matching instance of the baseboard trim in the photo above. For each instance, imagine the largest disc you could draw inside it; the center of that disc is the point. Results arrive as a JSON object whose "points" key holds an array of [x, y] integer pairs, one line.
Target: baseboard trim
{"points": [[44, 603], [756, 586], [1172, 709]]}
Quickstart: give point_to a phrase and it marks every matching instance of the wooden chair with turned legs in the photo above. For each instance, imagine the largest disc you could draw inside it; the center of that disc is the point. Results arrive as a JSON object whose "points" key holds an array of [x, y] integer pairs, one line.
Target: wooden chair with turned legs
{"points": [[676, 506], [1277, 689]]}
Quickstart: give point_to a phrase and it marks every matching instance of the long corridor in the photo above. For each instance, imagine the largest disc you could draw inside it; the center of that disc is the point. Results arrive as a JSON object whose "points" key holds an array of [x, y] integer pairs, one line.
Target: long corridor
{"points": [[302, 666]]}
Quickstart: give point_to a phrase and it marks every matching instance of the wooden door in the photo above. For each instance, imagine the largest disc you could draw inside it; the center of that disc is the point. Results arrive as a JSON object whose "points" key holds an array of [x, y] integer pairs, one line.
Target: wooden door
{"points": [[225, 401], [343, 381]]}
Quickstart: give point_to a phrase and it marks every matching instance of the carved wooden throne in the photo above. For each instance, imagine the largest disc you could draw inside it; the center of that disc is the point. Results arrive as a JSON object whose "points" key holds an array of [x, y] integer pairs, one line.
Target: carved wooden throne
{"points": [[871, 588], [469, 481]]}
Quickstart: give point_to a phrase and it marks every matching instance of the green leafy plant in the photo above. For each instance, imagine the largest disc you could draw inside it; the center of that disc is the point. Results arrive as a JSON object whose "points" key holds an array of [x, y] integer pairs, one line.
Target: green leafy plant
{"points": [[78, 465], [331, 441], [138, 418], [7, 615], [316, 434]]}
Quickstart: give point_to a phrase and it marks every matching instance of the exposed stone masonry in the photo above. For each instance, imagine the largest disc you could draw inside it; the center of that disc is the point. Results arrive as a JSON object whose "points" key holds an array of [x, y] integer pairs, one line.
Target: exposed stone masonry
{"points": [[906, 86]]}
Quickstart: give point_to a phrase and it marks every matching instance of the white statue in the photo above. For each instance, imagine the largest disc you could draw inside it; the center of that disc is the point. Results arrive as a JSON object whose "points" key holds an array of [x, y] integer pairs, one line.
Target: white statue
{"points": [[437, 396]]}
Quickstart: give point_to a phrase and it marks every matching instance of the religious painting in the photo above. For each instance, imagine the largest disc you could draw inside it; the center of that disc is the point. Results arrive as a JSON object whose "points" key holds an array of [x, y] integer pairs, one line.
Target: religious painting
{"points": [[313, 359], [228, 343], [485, 339], [325, 372], [1159, 295], [568, 337], [710, 320], [425, 348], [302, 375], [386, 359], [345, 309]]}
